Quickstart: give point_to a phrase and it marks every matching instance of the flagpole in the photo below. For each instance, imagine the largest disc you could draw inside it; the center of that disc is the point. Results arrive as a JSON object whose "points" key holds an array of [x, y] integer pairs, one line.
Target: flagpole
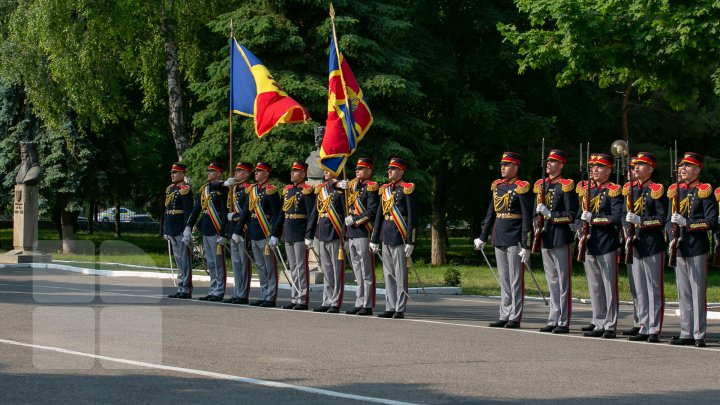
{"points": [[347, 105], [232, 43]]}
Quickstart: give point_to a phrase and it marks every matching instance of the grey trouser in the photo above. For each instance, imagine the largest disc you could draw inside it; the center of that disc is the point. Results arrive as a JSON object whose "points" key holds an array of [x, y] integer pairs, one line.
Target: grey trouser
{"points": [[333, 273], [241, 269], [183, 261], [648, 275], [395, 269], [266, 269], [511, 273], [633, 293], [216, 265], [298, 261], [602, 277], [363, 266], [556, 262], [691, 275]]}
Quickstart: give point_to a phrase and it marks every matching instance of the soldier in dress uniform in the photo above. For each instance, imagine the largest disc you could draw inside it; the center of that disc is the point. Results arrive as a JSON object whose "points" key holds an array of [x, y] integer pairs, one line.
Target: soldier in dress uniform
{"points": [[263, 219], [631, 281], [178, 206], [648, 216], [559, 208], [363, 201], [603, 215], [211, 211], [327, 224], [696, 216], [396, 227], [510, 219], [298, 203], [237, 204]]}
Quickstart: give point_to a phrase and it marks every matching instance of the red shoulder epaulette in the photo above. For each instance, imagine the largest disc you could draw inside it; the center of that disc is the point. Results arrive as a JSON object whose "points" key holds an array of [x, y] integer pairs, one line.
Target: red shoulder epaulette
{"points": [[288, 187], [408, 188], [372, 186], [538, 184], [522, 186], [495, 183], [567, 184], [307, 189], [656, 190], [704, 190], [270, 189], [614, 190], [717, 193]]}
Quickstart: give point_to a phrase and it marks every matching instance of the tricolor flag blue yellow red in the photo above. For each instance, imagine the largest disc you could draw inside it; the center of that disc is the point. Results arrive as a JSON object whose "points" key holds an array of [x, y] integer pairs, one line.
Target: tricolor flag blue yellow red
{"points": [[254, 93], [348, 116]]}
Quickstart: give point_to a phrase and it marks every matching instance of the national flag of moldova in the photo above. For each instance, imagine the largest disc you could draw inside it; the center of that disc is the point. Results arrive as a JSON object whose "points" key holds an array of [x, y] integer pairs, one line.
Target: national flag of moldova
{"points": [[254, 93], [348, 116]]}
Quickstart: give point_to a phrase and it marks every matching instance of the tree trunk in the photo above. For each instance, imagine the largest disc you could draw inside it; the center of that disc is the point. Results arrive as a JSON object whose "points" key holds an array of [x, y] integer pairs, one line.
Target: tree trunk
{"points": [[67, 228], [624, 109], [439, 220], [175, 90], [117, 220]]}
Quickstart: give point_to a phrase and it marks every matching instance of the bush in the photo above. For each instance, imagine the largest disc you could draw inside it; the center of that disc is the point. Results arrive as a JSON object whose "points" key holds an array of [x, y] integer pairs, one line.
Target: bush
{"points": [[452, 277]]}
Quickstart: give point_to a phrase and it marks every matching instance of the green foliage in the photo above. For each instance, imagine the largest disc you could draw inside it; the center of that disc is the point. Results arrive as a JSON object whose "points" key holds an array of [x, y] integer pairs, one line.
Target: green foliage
{"points": [[452, 277], [662, 46]]}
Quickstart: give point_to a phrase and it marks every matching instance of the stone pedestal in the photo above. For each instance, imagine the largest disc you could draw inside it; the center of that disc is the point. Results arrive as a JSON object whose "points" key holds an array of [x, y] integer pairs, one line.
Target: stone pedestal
{"points": [[25, 228]]}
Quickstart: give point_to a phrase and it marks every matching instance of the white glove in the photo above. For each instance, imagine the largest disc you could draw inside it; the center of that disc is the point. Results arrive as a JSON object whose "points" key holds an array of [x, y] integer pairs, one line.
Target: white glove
{"points": [[542, 209], [187, 232], [374, 247], [633, 218], [274, 241], [222, 240], [479, 244], [167, 237], [524, 255], [349, 220], [342, 184], [238, 239], [678, 219], [409, 249], [586, 216], [230, 182], [230, 216], [308, 243]]}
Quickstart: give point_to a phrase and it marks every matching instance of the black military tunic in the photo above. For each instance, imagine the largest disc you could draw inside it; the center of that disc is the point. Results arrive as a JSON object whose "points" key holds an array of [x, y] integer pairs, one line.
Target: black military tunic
{"points": [[211, 193], [701, 213], [267, 198], [363, 202], [321, 225], [298, 203], [651, 207], [562, 202], [606, 206], [238, 205], [178, 207], [510, 215], [400, 195]]}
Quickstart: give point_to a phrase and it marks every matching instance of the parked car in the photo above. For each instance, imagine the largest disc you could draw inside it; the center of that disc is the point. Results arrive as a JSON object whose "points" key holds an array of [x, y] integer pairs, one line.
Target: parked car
{"points": [[142, 218], [126, 215]]}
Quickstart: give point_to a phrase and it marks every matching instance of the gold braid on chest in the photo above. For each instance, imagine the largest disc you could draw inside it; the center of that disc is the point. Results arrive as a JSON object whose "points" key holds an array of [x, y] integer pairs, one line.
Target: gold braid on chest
{"points": [[501, 204], [289, 202]]}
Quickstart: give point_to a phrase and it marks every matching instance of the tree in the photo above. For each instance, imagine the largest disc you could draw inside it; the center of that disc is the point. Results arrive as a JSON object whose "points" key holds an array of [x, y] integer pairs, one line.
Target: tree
{"points": [[663, 50]]}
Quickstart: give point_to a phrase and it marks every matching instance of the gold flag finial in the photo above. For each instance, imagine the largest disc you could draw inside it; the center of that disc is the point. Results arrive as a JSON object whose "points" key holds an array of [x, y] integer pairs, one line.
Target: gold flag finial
{"points": [[332, 11]]}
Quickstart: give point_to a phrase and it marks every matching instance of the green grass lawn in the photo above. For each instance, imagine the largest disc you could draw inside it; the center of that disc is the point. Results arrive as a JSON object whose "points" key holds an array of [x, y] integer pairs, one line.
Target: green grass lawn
{"points": [[475, 277]]}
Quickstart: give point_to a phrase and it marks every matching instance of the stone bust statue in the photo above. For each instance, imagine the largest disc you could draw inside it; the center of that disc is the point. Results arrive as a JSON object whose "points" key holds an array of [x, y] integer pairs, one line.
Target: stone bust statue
{"points": [[29, 172]]}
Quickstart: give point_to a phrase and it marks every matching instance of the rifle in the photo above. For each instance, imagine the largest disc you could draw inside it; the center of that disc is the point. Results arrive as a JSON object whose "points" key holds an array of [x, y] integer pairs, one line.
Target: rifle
{"points": [[675, 242], [630, 237], [581, 246], [539, 218]]}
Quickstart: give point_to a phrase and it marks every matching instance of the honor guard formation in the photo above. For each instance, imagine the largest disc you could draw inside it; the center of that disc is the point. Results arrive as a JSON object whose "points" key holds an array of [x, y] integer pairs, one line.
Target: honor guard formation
{"points": [[340, 221], [639, 224], [596, 222]]}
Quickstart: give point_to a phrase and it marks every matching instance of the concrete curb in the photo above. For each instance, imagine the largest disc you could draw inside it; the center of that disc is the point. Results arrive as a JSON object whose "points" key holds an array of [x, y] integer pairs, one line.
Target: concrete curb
{"points": [[714, 315], [254, 283]]}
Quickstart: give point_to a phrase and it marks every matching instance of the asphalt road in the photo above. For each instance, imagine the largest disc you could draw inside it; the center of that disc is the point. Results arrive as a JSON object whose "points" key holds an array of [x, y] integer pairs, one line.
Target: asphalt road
{"points": [[69, 338]]}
